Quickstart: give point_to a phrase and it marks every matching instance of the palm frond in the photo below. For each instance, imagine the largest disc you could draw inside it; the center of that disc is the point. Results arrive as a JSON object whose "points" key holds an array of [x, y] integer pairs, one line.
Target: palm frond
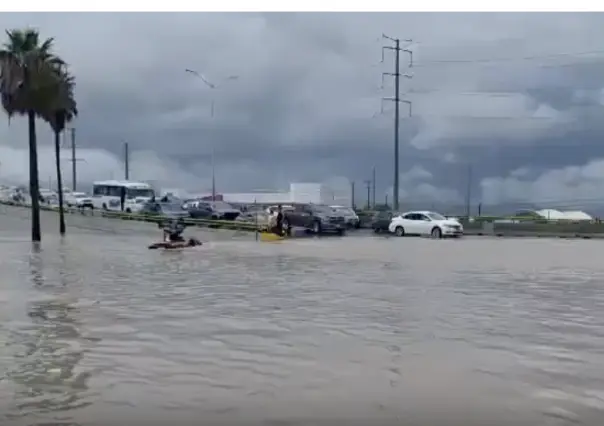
{"points": [[58, 104], [48, 88]]}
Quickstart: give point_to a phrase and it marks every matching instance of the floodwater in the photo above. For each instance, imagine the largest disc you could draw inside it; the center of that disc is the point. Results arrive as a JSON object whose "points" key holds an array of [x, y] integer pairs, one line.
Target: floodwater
{"points": [[96, 328]]}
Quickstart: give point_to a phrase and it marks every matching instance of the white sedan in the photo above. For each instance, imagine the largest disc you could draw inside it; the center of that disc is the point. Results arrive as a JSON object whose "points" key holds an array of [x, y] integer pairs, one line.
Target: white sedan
{"points": [[425, 223]]}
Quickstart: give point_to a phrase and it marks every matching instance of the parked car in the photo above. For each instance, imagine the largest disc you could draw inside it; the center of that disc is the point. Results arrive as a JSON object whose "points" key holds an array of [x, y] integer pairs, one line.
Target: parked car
{"points": [[170, 209], [78, 200], [48, 197], [425, 223], [259, 217], [315, 217], [350, 216], [218, 210], [381, 221]]}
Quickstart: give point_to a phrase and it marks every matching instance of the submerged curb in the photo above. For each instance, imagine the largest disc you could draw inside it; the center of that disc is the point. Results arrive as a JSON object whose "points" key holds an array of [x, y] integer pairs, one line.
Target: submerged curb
{"points": [[481, 228]]}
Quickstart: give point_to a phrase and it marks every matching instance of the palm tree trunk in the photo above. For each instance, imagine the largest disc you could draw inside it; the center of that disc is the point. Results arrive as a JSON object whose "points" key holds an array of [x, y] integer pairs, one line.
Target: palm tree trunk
{"points": [[34, 185], [59, 182]]}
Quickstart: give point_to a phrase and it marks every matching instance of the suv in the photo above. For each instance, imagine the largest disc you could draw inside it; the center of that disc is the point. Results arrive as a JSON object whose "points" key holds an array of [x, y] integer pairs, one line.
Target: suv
{"points": [[78, 200], [168, 209], [314, 217], [381, 221], [350, 216], [216, 210]]}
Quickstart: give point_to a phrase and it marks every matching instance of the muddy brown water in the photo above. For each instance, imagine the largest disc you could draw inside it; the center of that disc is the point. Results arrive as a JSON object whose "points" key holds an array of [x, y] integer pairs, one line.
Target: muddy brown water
{"points": [[96, 328]]}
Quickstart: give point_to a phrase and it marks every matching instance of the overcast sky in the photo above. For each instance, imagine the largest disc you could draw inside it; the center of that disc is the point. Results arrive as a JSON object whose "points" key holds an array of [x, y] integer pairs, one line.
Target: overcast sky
{"points": [[519, 97]]}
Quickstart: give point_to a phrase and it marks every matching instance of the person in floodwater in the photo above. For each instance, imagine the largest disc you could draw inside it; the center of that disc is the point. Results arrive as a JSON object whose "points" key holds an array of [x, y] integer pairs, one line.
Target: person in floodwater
{"points": [[173, 229], [122, 198], [278, 222]]}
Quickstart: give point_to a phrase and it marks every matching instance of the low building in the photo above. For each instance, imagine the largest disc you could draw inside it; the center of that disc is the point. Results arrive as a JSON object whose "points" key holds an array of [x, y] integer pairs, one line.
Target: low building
{"points": [[553, 214], [577, 215], [316, 193]]}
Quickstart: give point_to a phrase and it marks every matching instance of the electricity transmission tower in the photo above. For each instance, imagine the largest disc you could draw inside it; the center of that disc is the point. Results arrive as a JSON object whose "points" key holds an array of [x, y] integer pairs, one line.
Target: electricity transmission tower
{"points": [[395, 46]]}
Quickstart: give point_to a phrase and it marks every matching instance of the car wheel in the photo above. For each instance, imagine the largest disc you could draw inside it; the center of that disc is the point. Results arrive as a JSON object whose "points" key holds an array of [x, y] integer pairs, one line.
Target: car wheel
{"points": [[436, 233], [105, 207], [316, 228], [341, 232], [399, 231], [128, 211]]}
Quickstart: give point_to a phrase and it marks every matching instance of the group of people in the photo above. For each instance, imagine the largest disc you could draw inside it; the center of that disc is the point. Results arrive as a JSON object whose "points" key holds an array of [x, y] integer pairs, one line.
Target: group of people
{"points": [[173, 228]]}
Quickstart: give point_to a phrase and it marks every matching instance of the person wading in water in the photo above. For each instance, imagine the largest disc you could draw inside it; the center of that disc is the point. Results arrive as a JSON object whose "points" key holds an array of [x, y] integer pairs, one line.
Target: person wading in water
{"points": [[278, 228], [122, 198]]}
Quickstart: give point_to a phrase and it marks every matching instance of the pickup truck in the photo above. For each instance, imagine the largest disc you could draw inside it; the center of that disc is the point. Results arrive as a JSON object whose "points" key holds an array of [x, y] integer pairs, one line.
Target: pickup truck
{"points": [[78, 200]]}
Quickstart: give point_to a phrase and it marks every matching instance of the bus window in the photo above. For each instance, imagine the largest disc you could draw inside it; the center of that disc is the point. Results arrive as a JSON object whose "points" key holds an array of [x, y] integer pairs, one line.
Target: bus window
{"points": [[114, 191], [99, 190], [139, 192]]}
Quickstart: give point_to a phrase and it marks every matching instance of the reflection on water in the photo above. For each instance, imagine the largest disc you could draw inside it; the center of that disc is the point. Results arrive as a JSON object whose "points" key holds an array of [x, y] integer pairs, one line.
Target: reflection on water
{"points": [[46, 351], [99, 329]]}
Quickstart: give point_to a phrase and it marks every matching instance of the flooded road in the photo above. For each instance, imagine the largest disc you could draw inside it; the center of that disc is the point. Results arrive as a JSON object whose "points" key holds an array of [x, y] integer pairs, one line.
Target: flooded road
{"points": [[96, 328]]}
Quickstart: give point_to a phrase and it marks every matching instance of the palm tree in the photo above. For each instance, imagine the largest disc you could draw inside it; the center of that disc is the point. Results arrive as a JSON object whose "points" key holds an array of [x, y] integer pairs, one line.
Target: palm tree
{"points": [[60, 110], [23, 59]]}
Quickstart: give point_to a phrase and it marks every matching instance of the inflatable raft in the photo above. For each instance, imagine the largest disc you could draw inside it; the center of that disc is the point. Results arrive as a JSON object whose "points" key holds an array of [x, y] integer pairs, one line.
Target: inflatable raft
{"points": [[271, 237], [191, 242]]}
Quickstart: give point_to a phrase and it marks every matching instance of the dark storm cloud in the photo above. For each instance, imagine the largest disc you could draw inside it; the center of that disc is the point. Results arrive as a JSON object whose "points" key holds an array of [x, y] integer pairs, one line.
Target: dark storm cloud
{"points": [[307, 101]]}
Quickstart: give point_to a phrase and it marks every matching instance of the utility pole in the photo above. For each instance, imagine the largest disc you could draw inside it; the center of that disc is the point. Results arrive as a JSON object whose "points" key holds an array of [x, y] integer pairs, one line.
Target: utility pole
{"points": [[368, 185], [126, 161], [213, 176], [74, 172], [397, 100], [469, 192], [352, 195], [373, 186], [73, 159], [213, 162]]}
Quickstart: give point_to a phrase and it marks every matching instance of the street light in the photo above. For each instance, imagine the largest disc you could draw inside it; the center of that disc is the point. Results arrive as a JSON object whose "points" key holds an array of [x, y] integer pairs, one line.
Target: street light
{"points": [[213, 87], [210, 84]]}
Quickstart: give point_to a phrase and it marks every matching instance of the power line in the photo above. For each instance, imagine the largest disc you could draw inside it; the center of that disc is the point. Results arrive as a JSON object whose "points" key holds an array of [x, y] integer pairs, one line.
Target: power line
{"points": [[479, 117], [416, 91], [422, 64]]}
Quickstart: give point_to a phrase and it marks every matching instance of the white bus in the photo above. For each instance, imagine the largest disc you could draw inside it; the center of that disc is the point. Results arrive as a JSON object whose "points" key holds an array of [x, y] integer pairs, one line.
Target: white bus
{"points": [[106, 195]]}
